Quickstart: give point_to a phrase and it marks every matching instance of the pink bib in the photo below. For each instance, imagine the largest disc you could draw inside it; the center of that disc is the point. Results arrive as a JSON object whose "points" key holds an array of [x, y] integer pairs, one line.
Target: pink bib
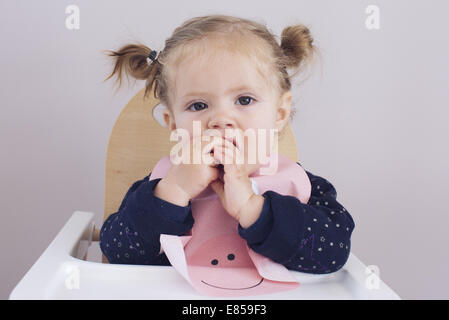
{"points": [[214, 259]]}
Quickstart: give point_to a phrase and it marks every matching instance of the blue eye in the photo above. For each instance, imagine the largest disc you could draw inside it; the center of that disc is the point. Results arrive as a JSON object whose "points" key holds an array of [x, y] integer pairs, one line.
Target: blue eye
{"points": [[245, 99], [196, 104]]}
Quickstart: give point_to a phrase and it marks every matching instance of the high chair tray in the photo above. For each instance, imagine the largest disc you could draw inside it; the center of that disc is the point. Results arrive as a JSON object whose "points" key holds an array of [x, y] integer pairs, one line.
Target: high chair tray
{"points": [[60, 273]]}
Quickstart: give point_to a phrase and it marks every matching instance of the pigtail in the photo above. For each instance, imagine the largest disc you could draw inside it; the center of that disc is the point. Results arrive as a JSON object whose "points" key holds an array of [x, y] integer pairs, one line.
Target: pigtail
{"points": [[132, 60], [298, 48]]}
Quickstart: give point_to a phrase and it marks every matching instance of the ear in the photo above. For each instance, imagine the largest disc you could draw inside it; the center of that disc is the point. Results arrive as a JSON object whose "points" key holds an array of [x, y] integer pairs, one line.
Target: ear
{"points": [[283, 110], [169, 119]]}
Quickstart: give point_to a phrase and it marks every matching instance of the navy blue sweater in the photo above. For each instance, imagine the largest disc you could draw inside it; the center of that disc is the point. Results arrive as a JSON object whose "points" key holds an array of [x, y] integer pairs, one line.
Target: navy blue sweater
{"points": [[311, 238]]}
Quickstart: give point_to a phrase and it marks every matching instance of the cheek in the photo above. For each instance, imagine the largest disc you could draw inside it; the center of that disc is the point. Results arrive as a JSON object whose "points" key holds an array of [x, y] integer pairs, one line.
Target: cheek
{"points": [[196, 124], [254, 121], [185, 122], [262, 116], [258, 146]]}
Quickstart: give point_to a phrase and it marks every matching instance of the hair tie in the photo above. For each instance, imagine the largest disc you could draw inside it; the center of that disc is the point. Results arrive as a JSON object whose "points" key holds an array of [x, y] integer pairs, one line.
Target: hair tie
{"points": [[152, 55]]}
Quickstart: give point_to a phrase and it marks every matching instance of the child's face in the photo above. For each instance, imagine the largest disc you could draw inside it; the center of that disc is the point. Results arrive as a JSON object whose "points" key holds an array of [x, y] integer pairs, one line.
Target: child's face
{"points": [[226, 92]]}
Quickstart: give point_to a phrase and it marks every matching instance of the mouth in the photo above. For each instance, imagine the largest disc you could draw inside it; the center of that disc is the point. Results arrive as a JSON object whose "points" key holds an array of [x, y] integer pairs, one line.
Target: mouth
{"points": [[211, 285]]}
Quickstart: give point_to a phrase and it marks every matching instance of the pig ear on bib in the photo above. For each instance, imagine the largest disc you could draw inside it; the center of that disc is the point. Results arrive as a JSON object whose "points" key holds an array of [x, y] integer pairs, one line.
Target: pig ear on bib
{"points": [[168, 239]]}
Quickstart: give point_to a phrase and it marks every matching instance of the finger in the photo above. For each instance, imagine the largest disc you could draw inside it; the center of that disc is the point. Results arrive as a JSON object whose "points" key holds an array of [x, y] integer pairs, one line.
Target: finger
{"points": [[209, 160], [227, 159], [229, 144], [230, 168], [204, 153], [210, 145], [238, 138], [234, 163], [216, 133], [218, 154], [236, 156], [218, 187], [239, 152], [215, 174], [223, 154]]}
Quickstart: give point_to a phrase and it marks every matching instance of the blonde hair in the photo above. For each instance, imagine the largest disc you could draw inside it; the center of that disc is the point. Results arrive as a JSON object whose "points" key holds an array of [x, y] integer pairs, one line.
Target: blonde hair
{"points": [[241, 35]]}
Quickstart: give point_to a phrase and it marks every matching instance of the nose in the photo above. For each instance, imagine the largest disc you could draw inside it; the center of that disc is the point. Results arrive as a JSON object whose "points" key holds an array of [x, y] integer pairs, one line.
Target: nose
{"points": [[221, 121]]}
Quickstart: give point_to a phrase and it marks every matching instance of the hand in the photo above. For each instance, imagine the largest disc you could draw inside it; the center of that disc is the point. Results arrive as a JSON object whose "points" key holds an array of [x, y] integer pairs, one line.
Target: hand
{"points": [[235, 189], [185, 181]]}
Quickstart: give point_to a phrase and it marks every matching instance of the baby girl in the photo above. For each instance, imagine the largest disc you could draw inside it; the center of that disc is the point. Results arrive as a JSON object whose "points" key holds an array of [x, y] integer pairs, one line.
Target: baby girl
{"points": [[226, 74]]}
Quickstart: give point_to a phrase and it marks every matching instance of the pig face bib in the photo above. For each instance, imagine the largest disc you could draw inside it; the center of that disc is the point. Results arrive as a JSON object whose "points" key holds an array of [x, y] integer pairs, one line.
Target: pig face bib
{"points": [[213, 257]]}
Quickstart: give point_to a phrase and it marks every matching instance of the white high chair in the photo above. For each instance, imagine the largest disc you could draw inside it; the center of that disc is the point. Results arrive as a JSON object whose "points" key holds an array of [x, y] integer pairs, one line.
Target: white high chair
{"points": [[136, 143]]}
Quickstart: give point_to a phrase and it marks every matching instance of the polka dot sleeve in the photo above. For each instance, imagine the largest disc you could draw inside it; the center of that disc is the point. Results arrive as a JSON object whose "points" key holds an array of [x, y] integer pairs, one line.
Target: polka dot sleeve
{"points": [[131, 235], [312, 238]]}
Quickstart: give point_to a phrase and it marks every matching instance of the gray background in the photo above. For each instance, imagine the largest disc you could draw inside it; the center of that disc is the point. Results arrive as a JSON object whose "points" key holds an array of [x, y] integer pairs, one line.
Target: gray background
{"points": [[373, 119]]}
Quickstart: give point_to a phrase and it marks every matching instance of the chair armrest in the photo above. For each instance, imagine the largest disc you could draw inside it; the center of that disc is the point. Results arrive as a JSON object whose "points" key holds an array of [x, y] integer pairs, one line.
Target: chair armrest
{"points": [[360, 273], [70, 243]]}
